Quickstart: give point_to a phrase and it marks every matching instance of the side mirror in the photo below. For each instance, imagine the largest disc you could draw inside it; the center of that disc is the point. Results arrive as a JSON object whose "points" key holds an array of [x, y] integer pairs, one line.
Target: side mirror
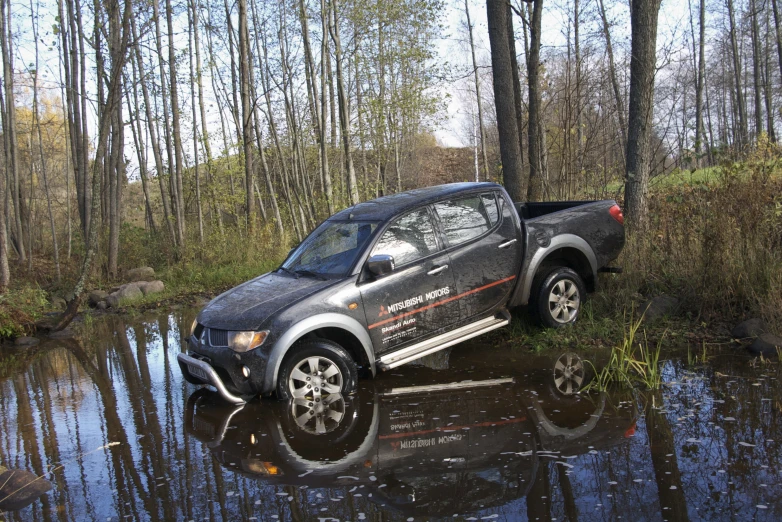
{"points": [[380, 264]]}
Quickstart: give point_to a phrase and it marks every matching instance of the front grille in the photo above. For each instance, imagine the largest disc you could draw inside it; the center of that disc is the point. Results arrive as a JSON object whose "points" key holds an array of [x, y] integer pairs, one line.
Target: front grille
{"points": [[218, 337]]}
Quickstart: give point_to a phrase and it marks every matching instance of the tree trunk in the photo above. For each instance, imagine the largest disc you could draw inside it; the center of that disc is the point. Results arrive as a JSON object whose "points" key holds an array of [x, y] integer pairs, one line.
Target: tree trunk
{"points": [[344, 109], [478, 100], [620, 106], [756, 69], [778, 32], [535, 124], [247, 127], [517, 104], [168, 172], [153, 138], [176, 181], [700, 75], [767, 85], [507, 125], [9, 126], [643, 64], [737, 73], [193, 19]]}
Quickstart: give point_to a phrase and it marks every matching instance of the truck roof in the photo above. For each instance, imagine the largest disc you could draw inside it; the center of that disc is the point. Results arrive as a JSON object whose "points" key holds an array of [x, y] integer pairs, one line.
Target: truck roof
{"points": [[387, 207]]}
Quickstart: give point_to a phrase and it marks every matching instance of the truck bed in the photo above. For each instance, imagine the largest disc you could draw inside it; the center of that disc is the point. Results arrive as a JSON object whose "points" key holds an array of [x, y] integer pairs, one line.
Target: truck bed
{"points": [[578, 234], [534, 210]]}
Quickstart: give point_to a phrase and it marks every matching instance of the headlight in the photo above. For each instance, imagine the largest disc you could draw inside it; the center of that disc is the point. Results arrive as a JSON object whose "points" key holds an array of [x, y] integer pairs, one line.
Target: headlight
{"points": [[245, 341]]}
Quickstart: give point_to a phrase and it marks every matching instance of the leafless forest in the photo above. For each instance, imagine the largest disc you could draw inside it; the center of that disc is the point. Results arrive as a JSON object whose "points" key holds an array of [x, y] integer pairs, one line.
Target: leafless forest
{"points": [[179, 128]]}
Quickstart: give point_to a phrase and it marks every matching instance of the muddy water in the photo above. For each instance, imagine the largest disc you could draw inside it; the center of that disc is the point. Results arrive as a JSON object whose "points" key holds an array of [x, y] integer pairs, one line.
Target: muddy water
{"points": [[119, 434]]}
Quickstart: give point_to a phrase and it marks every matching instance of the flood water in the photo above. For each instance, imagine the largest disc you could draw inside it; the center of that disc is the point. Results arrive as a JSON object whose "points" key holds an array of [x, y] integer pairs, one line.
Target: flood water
{"points": [[121, 436]]}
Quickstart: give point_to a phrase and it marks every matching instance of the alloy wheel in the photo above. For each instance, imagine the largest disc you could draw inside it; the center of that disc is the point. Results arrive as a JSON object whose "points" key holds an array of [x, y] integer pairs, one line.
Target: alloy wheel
{"points": [[313, 378], [564, 301]]}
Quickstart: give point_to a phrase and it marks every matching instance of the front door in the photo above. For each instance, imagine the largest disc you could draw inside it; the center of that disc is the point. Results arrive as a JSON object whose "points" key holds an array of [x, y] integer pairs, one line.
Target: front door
{"points": [[412, 301], [485, 250]]}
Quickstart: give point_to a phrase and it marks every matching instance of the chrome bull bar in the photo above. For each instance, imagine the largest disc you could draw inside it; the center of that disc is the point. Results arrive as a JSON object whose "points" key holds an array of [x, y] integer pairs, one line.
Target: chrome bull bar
{"points": [[204, 372]]}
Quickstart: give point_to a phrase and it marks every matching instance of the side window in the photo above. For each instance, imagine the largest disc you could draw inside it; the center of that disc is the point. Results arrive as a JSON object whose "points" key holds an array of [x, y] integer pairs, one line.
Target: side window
{"points": [[490, 205], [463, 219], [408, 239]]}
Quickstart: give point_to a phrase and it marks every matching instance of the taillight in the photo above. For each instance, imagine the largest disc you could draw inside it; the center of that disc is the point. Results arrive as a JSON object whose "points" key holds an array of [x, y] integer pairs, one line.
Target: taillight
{"points": [[616, 213], [630, 432]]}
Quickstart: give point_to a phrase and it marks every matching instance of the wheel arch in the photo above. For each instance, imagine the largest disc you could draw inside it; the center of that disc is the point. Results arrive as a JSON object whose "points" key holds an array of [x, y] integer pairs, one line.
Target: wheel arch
{"points": [[338, 328], [565, 250]]}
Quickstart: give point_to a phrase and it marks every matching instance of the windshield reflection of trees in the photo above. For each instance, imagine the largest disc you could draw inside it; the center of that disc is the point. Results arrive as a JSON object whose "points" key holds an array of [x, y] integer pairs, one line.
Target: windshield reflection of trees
{"points": [[120, 385], [333, 249]]}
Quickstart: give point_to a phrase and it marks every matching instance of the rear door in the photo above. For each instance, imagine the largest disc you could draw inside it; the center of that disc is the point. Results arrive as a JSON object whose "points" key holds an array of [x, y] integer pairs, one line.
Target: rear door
{"points": [[485, 248], [412, 301]]}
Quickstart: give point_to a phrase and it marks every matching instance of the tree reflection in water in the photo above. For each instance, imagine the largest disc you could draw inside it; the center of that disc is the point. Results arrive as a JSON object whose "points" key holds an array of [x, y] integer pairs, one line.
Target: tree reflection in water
{"points": [[705, 447]]}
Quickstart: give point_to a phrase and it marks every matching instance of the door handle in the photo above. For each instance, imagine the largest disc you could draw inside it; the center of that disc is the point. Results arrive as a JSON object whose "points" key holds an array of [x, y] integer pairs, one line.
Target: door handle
{"points": [[507, 243], [437, 270]]}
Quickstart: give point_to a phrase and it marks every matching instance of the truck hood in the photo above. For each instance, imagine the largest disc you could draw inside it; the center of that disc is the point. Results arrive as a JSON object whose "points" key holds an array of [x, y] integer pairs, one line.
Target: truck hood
{"points": [[248, 305]]}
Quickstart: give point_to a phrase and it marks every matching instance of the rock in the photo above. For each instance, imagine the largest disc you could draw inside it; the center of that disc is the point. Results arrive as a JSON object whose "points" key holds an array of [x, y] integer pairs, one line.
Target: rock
{"points": [[658, 307], [124, 293], [151, 287], [750, 328], [67, 333], [18, 489], [26, 341], [144, 273], [128, 292], [766, 345], [59, 303], [102, 305], [96, 296]]}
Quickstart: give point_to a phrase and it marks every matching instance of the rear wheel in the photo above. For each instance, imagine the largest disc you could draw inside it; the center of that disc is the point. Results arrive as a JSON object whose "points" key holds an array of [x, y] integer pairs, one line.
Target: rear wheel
{"points": [[558, 297], [316, 369]]}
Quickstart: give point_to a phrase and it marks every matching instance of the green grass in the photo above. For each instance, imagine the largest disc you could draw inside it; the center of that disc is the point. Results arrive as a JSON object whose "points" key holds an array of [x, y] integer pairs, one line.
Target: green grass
{"points": [[19, 309], [630, 363]]}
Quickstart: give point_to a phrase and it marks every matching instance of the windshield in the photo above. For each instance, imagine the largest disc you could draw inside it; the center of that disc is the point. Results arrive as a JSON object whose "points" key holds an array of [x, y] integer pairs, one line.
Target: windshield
{"points": [[331, 249]]}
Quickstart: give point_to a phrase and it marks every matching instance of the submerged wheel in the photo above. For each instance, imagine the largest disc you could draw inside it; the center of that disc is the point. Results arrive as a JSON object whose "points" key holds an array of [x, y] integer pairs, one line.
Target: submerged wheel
{"points": [[558, 298], [314, 370], [569, 374]]}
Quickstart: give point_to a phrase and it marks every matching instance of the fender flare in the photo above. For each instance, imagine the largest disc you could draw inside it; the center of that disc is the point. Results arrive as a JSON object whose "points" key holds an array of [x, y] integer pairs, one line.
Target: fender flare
{"points": [[557, 242], [303, 327]]}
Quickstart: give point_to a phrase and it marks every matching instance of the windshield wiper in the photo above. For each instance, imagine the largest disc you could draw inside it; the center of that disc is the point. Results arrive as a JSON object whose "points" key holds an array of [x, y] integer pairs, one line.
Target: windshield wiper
{"points": [[288, 270], [310, 273]]}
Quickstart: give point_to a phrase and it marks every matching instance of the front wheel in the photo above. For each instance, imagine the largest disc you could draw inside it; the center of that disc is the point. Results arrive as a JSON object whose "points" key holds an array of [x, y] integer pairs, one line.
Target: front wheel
{"points": [[316, 369], [558, 297]]}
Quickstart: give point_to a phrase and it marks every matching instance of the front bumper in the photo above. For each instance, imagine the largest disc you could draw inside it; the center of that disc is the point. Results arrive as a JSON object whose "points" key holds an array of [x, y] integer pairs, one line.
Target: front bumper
{"points": [[201, 372]]}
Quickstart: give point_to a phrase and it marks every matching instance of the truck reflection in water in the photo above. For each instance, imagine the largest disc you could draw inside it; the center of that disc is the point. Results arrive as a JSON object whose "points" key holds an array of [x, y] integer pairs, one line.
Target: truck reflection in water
{"points": [[430, 450]]}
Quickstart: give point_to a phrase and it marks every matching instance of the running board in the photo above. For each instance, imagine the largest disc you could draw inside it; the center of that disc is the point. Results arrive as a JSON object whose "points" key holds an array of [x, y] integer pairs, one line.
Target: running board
{"points": [[416, 351]]}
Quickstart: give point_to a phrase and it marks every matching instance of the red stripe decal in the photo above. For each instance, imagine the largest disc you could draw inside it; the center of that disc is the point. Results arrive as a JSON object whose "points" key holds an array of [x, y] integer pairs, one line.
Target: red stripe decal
{"points": [[425, 432], [440, 303]]}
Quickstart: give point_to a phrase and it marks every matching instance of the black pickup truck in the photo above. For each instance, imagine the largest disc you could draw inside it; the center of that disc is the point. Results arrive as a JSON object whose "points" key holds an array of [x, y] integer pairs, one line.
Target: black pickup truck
{"points": [[391, 280]]}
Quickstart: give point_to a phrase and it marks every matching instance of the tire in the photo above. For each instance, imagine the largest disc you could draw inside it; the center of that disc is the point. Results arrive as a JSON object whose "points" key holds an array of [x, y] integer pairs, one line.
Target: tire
{"points": [[302, 372], [559, 296]]}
